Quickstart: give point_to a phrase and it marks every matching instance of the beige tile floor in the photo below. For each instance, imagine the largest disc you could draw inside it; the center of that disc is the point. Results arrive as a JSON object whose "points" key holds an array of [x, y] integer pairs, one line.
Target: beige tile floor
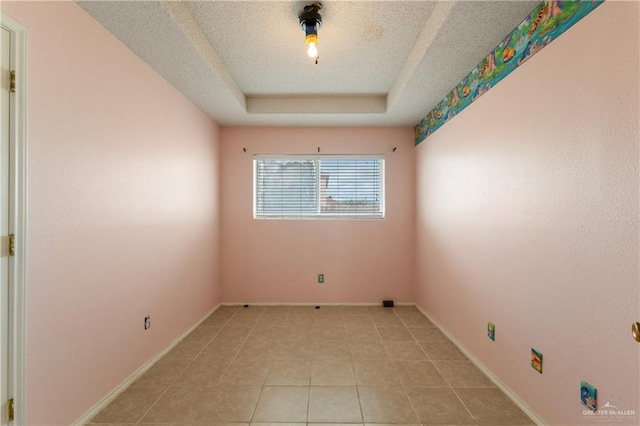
{"points": [[300, 365]]}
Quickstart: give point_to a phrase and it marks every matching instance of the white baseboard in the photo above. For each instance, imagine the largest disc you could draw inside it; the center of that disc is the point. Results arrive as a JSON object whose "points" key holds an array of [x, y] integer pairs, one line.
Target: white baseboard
{"points": [[504, 388], [93, 411], [314, 304]]}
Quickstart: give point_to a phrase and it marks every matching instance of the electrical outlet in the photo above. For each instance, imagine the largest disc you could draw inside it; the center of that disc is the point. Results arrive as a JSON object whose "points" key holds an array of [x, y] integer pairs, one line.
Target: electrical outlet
{"points": [[320, 278], [491, 331], [147, 322]]}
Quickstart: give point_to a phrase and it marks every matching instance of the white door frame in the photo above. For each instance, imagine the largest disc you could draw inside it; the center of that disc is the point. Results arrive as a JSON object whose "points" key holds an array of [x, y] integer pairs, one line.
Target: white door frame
{"points": [[18, 226]]}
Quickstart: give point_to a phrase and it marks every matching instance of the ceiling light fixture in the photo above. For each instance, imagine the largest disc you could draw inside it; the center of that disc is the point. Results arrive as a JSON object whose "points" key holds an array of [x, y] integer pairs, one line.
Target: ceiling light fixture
{"points": [[310, 22]]}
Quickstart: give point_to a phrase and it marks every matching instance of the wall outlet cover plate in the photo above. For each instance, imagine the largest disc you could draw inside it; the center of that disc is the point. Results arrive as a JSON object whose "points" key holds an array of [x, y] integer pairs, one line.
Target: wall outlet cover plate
{"points": [[536, 360], [491, 331], [588, 395], [320, 278]]}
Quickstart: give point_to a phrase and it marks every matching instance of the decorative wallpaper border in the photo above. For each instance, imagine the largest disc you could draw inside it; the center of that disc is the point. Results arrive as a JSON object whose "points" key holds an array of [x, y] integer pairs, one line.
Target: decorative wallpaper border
{"points": [[548, 20]]}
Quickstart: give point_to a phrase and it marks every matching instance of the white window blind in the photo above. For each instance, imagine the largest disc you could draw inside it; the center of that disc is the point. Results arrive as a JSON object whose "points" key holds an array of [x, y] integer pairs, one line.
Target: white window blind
{"points": [[318, 186]]}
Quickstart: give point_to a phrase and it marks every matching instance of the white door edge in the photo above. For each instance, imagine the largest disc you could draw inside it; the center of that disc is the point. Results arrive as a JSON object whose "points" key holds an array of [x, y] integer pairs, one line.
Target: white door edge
{"points": [[18, 179]]}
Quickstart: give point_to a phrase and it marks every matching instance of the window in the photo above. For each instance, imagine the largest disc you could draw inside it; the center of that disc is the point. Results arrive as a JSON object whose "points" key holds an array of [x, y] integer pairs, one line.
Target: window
{"points": [[298, 186]]}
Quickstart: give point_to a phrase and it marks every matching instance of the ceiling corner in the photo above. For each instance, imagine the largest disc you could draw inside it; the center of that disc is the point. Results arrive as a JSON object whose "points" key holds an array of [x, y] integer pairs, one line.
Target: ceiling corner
{"points": [[431, 28], [186, 22]]}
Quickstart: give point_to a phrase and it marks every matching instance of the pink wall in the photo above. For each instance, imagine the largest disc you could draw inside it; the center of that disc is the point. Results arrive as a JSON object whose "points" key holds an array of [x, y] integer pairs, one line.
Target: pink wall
{"points": [[527, 216], [123, 212], [278, 260]]}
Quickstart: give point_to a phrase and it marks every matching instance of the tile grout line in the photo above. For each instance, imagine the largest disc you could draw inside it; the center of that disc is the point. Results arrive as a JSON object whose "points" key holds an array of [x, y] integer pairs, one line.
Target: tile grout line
{"points": [[308, 395], [439, 372], [404, 388], [456, 394], [402, 384], [236, 357], [264, 381], [210, 342], [353, 368], [152, 405], [181, 373]]}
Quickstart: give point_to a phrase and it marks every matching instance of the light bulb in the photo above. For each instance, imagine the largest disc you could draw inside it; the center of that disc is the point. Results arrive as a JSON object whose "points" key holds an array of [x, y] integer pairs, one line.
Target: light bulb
{"points": [[313, 50]]}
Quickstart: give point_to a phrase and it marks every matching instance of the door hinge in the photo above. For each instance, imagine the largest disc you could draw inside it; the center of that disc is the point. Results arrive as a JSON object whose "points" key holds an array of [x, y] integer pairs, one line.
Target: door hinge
{"points": [[12, 81], [10, 413], [12, 245]]}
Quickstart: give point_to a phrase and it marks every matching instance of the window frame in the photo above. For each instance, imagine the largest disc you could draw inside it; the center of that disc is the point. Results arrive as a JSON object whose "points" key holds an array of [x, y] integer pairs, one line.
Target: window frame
{"points": [[319, 215]]}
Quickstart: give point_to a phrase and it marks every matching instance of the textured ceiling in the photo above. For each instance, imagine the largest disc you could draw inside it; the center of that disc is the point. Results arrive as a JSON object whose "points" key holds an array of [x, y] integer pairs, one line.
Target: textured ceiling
{"points": [[266, 52], [245, 62]]}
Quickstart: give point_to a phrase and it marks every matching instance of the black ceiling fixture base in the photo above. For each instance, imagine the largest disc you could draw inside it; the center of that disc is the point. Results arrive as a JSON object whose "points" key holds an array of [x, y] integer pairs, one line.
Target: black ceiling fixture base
{"points": [[310, 16]]}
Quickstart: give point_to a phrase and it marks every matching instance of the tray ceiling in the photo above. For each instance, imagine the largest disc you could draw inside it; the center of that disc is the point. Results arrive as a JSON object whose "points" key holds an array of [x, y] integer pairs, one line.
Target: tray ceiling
{"points": [[245, 62]]}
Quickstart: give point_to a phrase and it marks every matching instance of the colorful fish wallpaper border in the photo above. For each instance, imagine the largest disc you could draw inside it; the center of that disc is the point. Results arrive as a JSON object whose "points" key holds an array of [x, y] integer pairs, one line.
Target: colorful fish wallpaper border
{"points": [[548, 20]]}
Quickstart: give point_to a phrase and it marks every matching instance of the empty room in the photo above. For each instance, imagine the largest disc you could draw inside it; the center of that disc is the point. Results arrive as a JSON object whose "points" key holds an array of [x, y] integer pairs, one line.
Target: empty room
{"points": [[320, 213]]}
